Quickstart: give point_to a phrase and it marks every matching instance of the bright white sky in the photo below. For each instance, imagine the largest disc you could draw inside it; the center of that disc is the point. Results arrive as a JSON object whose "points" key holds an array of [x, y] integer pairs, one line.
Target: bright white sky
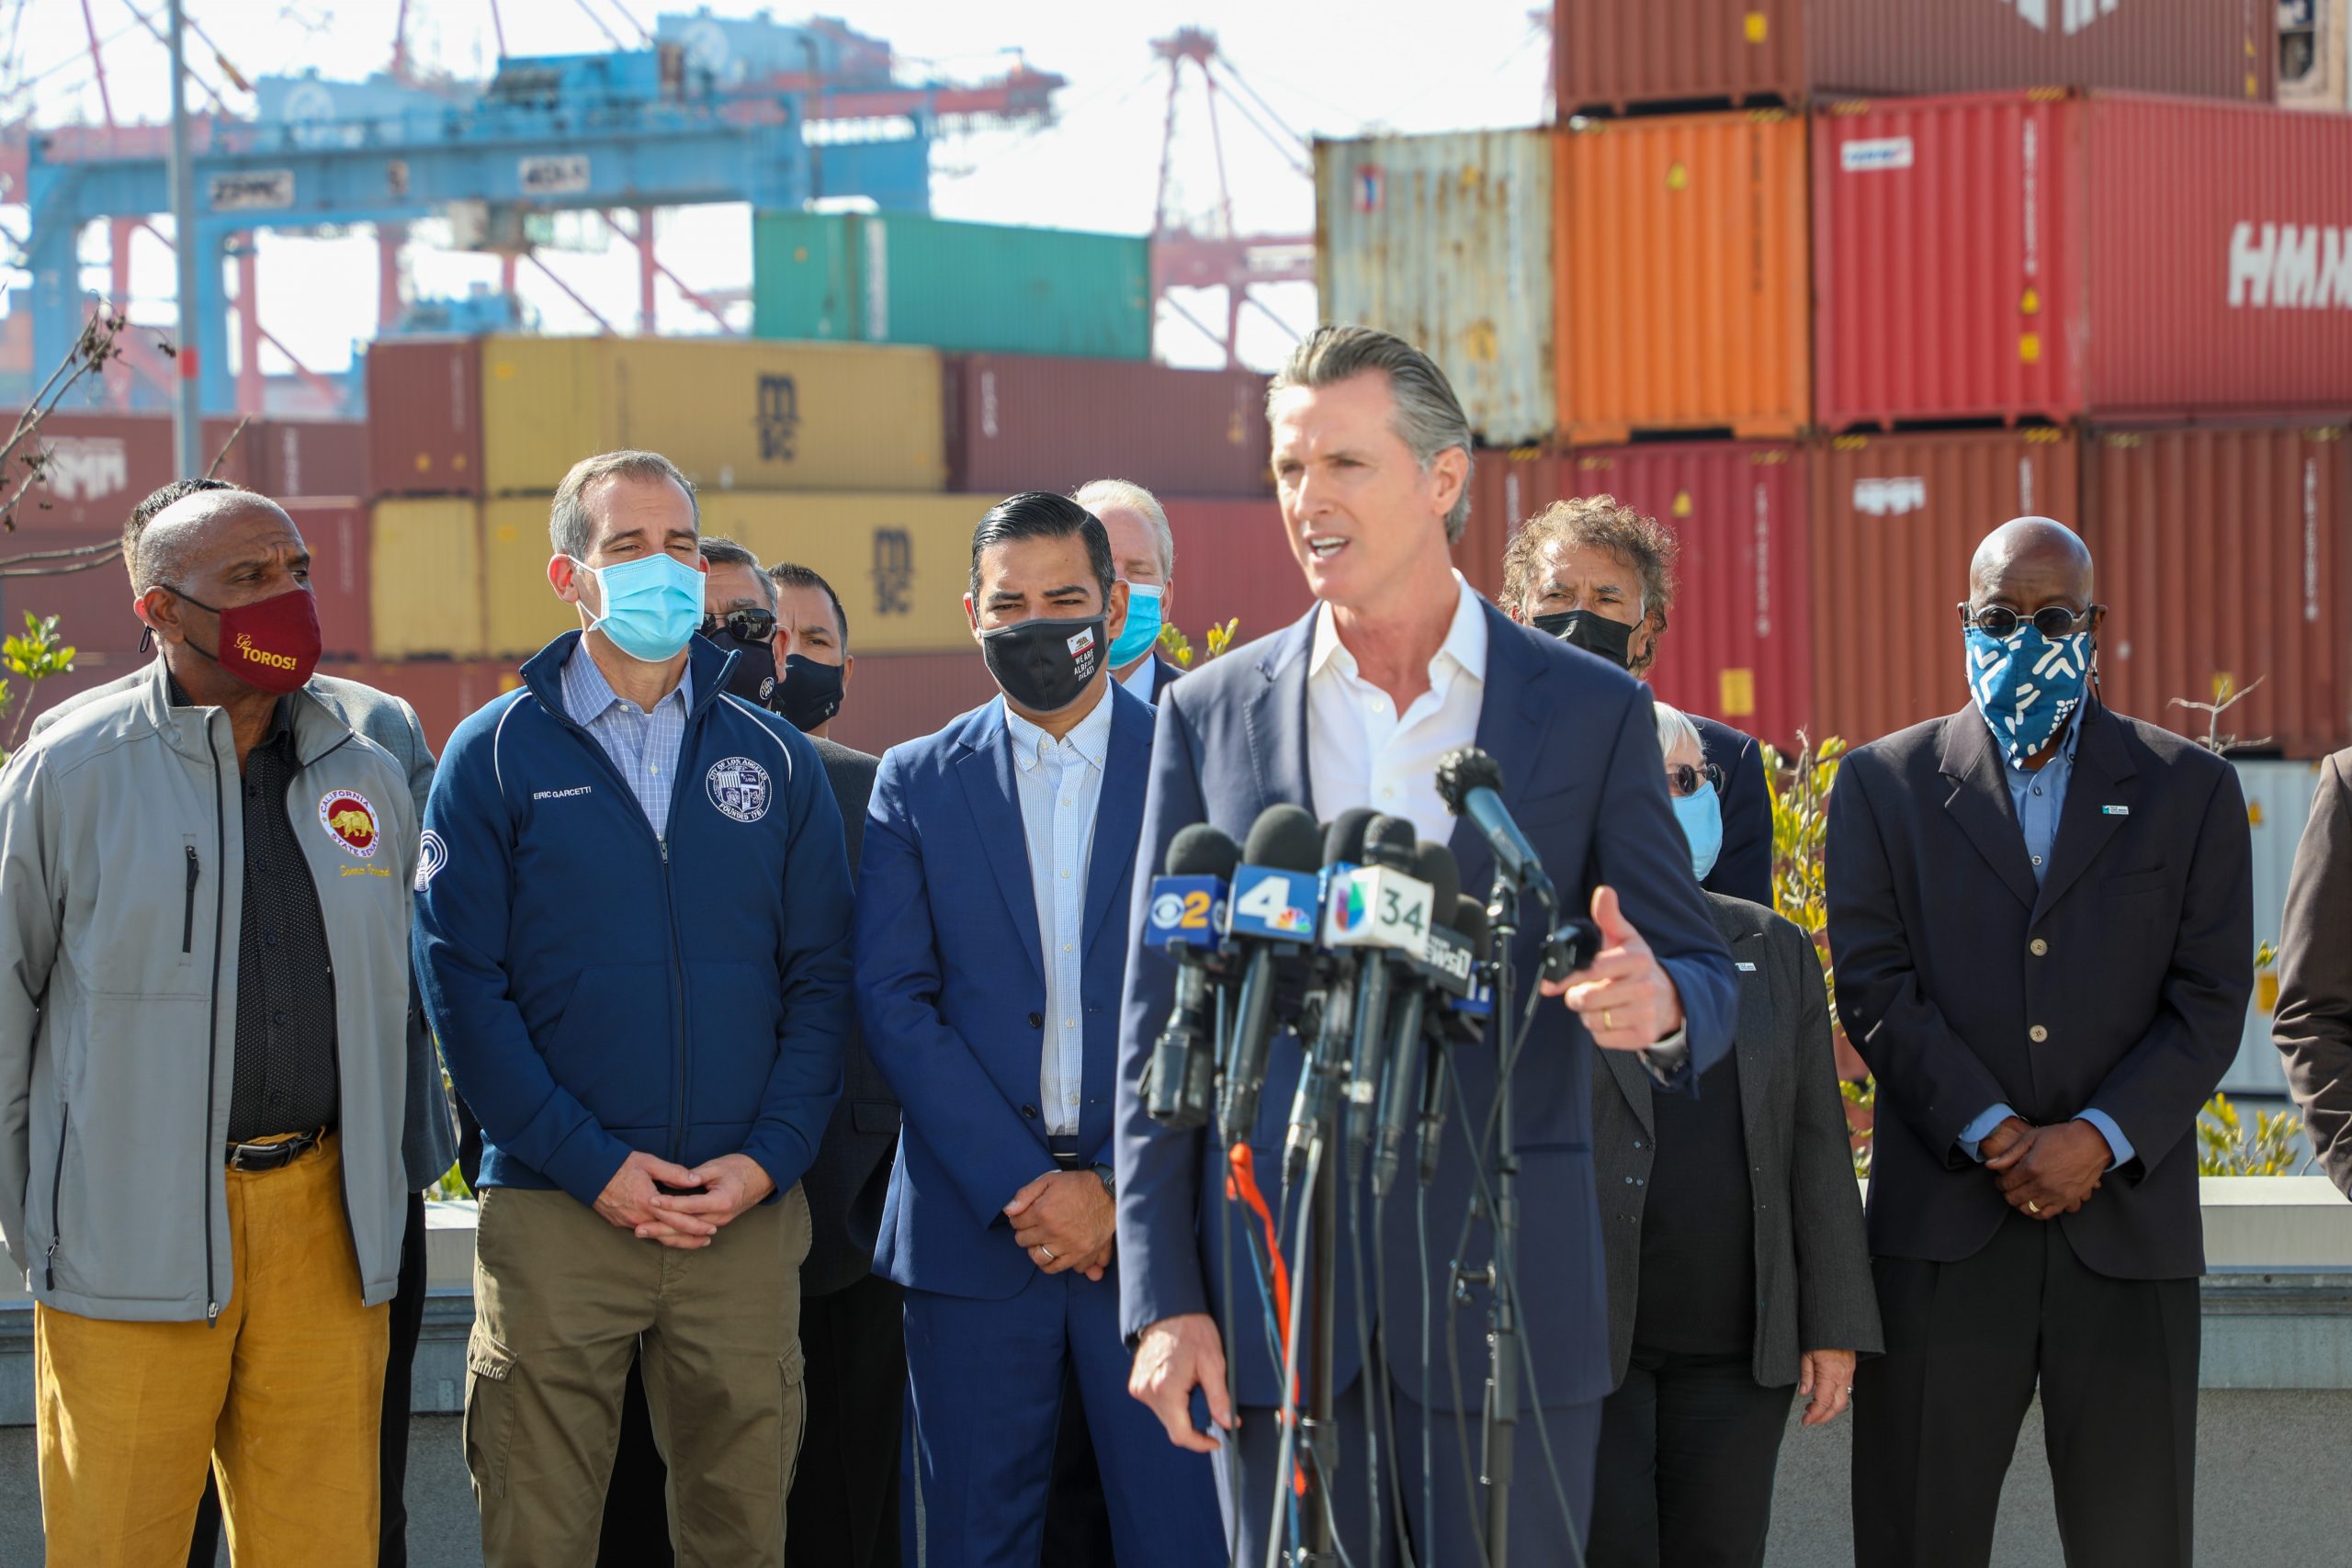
{"points": [[1327, 67]]}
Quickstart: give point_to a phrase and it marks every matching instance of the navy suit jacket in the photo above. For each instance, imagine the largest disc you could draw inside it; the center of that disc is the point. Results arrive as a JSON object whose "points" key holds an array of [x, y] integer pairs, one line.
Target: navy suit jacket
{"points": [[1582, 774], [2119, 984], [1744, 868], [950, 989]]}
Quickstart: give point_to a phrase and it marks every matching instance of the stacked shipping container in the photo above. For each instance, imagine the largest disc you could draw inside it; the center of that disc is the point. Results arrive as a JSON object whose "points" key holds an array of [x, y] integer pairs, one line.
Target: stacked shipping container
{"points": [[2150, 297]]}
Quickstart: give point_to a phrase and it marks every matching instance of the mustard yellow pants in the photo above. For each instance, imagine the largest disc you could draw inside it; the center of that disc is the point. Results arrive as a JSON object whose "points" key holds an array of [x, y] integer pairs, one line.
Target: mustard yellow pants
{"points": [[284, 1393]]}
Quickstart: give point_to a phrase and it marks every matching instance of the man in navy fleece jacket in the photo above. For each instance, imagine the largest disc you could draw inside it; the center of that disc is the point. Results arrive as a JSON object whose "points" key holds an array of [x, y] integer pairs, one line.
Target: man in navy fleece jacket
{"points": [[632, 933]]}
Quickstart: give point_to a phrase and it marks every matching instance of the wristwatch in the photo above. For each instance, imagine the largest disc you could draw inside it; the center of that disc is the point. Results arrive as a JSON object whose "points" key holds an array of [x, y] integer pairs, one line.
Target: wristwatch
{"points": [[1664, 1057], [1110, 1181]]}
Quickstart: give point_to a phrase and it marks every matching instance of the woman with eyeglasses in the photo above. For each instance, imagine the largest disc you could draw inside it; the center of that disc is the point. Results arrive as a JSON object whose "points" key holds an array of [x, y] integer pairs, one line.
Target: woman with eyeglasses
{"points": [[1739, 1277]]}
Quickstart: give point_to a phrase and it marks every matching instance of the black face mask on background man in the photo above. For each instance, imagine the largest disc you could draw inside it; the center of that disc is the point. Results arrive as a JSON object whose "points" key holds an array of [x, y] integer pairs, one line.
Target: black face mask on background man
{"points": [[752, 675], [1593, 632], [1044, 665], [810, 694]]}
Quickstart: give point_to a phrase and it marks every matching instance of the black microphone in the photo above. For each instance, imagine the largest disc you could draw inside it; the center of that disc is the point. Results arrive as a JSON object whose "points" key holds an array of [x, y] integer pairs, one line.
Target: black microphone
{"points": [[1468, 780], [1184, 1059], [1343, 850], [1272, 913], [1401, 1074], [1470, 921], [1407, 907]]}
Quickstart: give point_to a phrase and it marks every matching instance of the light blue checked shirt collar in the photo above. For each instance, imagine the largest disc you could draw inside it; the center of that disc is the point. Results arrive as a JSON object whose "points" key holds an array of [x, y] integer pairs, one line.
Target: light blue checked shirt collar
{"points": [[1060, 783], [644, 746]]}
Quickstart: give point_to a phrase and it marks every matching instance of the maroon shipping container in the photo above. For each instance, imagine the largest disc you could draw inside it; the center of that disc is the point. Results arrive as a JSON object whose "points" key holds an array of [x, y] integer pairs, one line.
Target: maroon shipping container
{"points": [[893, 698], [1018, 422], [1507, 488], [336, 530], [424, 416], [1896, 519], [443, 691], [97, 466], [1616, 54], [1738, 642], [92, 604], [2221, 559], [306, 456], [1233, 562], [2059, 254]]}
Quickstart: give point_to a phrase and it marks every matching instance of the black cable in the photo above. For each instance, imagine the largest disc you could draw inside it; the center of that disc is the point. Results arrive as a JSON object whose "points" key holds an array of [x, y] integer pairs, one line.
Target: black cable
{"points": [[1387, 1387], [1232, 1351], [1429, 1427], [1364, 1376]]}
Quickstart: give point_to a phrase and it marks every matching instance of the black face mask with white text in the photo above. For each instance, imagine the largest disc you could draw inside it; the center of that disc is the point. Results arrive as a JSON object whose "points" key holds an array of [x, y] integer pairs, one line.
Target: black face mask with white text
{"points": [[1595, 633], [1044, 665]]}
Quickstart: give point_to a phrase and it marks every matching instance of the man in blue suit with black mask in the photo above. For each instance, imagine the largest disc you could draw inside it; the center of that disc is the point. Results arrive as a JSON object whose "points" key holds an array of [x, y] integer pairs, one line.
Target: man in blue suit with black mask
{"points": [[992, 944], [1398, 663]]}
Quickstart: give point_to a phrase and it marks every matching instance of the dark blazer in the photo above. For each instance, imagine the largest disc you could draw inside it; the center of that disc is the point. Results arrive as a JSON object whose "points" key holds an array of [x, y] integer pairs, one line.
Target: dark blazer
{"points": [[850, 1176], [1812, 1266], [1581, 772], [2121, 984], [2313, 1025], [1744, 868], [950, 988]]}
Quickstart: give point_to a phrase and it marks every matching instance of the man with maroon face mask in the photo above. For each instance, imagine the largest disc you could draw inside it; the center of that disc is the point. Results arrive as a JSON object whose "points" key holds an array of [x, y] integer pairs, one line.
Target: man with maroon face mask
{"points": [[205, 893]]}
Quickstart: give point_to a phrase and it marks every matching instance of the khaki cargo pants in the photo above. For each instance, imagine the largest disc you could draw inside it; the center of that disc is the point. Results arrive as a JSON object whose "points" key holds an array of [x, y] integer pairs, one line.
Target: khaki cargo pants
{"points": [[563, 1301]]}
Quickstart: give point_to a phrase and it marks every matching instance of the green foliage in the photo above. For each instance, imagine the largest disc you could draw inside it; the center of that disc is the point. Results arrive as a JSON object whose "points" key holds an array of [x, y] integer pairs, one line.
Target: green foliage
{"points": [[2226, 1146], [1179, 650], [1800, 790], [33, 658]]}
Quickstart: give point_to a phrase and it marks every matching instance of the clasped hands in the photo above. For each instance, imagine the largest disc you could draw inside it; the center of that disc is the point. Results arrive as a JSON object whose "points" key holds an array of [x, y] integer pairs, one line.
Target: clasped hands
{"points": [[1065, 1219], [716, 1192], [2045, 1172]]}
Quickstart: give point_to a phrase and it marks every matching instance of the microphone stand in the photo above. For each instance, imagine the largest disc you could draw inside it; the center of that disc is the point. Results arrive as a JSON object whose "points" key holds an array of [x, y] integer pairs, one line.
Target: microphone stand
{"points": [[1316, 1432], [1501, 1416]]}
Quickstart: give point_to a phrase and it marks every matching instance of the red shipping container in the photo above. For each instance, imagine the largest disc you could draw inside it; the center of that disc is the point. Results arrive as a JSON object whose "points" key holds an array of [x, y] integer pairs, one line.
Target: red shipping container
{"points": [[2221, 559], [1896, 519], [893, 698], [424, 416], [443, 691], [1613, 54], [306, 456], [1017, 423], [1233, 562], [92, 604], [2061, 255], [1507, 488], [97, 466], [336, 530], [1738, 644]]}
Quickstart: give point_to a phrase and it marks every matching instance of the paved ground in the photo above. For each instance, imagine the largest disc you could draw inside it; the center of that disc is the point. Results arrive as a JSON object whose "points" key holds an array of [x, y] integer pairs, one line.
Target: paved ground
{"points": [[2270, 1485]]}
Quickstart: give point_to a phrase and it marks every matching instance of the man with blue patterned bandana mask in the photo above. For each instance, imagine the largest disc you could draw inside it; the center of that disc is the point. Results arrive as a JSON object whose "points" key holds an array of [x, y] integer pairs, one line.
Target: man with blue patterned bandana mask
{"points": [[2034, 1205]]}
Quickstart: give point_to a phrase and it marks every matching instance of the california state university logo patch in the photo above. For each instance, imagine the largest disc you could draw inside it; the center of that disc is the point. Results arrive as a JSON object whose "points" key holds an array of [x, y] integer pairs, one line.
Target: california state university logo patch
{"points": [[351, 820]]}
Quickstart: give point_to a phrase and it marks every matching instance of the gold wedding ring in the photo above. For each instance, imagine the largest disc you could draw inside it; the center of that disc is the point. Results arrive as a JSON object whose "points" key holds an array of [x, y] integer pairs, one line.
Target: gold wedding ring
{"points": [[1605, 1021]]}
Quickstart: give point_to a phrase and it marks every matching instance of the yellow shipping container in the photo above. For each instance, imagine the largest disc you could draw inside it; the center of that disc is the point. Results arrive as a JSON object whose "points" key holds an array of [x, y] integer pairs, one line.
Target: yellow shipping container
{"points": [[521, 613], [735, 414], [425, 582], [899, 562]]}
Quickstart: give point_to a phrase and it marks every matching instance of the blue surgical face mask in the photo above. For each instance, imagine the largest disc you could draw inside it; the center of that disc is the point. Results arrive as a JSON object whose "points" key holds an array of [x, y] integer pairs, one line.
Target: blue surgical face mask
{"points": [[2027, 685], [1702, 817], [1142, 625], [652, 606]]}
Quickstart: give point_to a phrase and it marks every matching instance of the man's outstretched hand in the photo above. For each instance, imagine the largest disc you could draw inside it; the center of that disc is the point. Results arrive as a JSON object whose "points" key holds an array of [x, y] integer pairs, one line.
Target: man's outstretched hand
{"points": [[1176, 1356]]}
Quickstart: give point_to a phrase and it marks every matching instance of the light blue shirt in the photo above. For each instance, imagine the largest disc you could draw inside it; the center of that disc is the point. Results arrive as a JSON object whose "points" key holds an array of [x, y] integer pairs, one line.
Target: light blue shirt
{"points": [[644, 746], [1060, 783], [2039, 797]]}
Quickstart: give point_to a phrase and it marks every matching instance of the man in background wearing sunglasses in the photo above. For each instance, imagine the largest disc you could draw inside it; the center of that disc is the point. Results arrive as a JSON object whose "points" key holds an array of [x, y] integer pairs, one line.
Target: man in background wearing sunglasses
{"points": [[2042, 916]]}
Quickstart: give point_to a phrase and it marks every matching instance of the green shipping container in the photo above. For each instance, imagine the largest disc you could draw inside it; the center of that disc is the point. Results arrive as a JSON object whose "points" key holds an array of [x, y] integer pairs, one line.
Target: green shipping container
{"points": [[965, 287]]}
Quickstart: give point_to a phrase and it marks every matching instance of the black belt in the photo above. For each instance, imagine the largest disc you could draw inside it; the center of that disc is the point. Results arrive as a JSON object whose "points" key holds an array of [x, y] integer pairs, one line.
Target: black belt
{"points": [[273, 1155]]}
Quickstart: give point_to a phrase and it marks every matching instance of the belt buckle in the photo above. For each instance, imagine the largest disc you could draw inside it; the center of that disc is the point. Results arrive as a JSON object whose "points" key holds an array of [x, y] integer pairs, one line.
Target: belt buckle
{"points": [[258, 1157]]}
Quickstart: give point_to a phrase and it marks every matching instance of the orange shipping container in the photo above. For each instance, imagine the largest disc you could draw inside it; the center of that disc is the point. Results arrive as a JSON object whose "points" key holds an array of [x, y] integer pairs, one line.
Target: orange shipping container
{"points": [[1896, 519], [1685, 279], [2222, 561]]}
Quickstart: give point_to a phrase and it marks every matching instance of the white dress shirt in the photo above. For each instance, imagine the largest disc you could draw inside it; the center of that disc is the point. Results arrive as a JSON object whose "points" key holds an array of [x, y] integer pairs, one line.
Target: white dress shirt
{"points": [[1061, 787], [1143, 679], [1361, 752]]}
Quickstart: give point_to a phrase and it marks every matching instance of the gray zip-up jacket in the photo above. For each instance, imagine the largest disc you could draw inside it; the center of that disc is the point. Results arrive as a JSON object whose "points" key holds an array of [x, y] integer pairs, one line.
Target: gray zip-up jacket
{"points": [[121, 899]]}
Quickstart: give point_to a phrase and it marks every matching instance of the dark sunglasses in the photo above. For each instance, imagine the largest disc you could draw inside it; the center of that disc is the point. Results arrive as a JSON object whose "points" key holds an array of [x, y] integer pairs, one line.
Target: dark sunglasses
{"points": [[1685, 779], [2052, 621], [749, 626]]}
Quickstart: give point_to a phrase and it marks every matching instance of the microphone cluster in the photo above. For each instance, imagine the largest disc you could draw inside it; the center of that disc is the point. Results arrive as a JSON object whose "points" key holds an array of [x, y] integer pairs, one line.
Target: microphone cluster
{"points": [[1352, 933]]}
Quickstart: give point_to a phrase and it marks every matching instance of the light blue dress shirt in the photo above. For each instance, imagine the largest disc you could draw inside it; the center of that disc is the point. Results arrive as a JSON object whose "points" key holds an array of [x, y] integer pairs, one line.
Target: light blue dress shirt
{"points": [[2038, 797], [643, 746], [1061, 787]]}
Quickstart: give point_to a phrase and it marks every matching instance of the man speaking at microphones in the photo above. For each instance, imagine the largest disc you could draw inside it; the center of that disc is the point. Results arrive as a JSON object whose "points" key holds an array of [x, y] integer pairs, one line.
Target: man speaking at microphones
{"points": [[1397, 664]]}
